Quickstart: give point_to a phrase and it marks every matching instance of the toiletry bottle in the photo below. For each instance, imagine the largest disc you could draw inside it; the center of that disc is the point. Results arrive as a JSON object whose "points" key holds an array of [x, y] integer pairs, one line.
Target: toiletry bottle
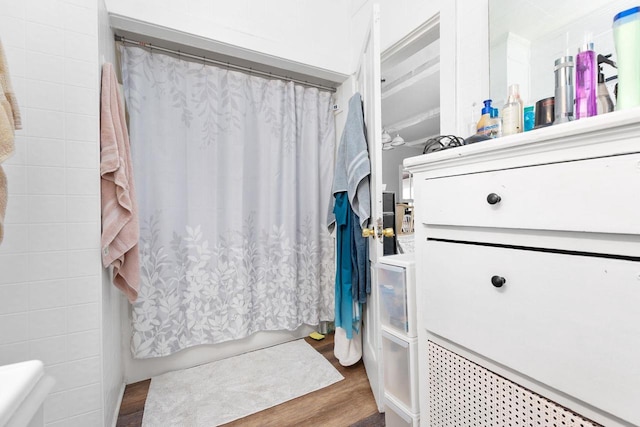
{"points": [[563, 100], [529, 117], [484, 124], [626, 35], [496, 124], [604, 102], [586, 82], [512, 112]]}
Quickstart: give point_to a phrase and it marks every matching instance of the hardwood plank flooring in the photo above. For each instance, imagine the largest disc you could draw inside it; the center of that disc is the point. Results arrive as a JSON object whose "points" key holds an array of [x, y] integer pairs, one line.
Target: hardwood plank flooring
{"points": [[347, 403], [132, 406]]}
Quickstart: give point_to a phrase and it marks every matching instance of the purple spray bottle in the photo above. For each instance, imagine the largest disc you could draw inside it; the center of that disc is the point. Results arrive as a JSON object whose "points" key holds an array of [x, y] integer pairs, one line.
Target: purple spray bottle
{"points": [[586, 82]]}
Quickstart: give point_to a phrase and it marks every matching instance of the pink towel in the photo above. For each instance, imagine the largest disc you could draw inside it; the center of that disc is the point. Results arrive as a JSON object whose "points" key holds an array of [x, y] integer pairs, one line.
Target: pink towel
{"points": [[120, 229]]}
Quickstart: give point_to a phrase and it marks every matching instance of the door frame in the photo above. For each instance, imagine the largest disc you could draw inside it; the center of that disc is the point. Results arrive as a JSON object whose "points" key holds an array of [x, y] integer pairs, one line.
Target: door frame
{"points": [[367, 82]]}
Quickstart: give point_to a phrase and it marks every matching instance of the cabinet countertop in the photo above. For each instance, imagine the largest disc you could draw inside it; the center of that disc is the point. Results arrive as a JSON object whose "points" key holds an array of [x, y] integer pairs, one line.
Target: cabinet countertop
{"points": [[598, 136]]}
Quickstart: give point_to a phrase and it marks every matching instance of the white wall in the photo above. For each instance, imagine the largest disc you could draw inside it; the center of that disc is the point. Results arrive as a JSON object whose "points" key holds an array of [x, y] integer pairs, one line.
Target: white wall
{"points": [[327, 35], [313, 33], [50, 272]]}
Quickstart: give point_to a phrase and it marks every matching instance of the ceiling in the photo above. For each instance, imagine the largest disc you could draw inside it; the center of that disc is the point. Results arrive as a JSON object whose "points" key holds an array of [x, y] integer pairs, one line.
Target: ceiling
{"points": [[411, 90]]}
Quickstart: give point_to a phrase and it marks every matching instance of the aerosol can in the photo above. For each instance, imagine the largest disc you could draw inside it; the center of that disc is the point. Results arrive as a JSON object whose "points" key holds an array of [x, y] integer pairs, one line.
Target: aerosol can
{"points": [[605, 104], [564, 95]]}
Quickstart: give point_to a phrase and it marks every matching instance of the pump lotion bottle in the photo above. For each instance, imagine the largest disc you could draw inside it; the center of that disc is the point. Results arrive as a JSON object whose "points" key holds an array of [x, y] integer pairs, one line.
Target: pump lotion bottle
{"points": [[512, 112], [586, 82]]}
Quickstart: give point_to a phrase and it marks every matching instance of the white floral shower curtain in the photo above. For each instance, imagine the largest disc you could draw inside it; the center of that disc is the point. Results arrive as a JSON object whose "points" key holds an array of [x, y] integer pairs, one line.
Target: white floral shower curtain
{"points": [[233, 174]]}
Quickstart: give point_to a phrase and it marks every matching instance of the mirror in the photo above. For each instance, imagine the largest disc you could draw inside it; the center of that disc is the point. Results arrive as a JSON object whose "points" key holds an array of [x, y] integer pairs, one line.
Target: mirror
{"points": [[527, 36], [406, 186], [410, 93]]}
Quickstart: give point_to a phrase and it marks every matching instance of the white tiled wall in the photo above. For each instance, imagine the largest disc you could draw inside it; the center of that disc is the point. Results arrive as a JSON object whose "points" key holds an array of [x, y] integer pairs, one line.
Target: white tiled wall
{"points": [[112, 300], [53, 304], [50, 272]]}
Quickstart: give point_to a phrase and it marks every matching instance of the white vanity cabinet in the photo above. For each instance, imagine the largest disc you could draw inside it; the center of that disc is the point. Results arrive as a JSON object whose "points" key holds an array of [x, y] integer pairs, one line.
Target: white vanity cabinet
{"points": [[528, 277]]}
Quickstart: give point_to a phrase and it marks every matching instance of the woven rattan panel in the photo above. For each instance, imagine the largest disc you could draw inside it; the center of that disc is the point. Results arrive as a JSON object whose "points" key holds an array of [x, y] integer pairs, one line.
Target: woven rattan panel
{"points": [[463, 393]]}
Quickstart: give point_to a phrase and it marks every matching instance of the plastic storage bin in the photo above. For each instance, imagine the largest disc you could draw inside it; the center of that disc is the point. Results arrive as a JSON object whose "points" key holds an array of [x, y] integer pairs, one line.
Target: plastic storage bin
{"points": [[401, 370], [397, 296], [395, 416]]}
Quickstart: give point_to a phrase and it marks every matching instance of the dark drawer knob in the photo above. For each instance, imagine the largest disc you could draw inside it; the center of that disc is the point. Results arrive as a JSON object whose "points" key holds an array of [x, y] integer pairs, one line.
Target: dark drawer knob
{"points": [[498, 281], [493, 198]]}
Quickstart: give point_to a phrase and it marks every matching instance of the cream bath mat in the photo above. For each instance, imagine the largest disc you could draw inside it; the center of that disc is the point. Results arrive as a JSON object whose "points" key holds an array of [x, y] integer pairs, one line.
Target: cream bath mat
{"points": [[228, 389]]}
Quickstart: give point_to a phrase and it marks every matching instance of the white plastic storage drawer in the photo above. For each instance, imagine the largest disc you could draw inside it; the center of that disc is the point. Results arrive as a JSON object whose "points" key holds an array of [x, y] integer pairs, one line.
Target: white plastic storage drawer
{"points": [[397, 299], [399, 357], [395, 416]]}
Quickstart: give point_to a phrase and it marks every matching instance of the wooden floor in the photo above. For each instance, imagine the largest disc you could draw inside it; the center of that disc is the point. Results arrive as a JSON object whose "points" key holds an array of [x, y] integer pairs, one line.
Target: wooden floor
{"points": [[347, 403]]}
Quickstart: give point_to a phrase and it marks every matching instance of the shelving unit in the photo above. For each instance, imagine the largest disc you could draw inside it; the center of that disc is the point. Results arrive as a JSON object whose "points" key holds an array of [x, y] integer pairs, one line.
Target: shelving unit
{"points": [[396, 287]]}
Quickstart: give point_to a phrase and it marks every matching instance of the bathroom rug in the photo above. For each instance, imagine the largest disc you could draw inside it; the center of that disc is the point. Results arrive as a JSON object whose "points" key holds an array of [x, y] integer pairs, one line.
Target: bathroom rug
{"points": [[225, 390]]}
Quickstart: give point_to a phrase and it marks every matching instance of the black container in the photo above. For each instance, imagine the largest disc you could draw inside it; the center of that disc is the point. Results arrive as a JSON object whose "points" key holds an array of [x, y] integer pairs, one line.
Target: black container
{"points": [[389, 246], [545, 114]]}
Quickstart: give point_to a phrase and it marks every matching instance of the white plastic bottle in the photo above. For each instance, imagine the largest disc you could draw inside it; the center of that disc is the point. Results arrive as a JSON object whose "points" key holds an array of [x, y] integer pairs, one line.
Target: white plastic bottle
{"points": [[512, 112], [484, 124], [626, 34]]}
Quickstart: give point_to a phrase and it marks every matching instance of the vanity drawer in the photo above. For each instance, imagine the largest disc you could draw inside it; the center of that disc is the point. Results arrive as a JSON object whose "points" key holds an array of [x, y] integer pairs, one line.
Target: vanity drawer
{"points": [[547, 321], [597, 195]]}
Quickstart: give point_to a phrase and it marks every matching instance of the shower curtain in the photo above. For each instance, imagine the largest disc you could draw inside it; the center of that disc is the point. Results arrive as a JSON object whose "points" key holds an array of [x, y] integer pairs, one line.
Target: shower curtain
{"points": [[233, 174]]}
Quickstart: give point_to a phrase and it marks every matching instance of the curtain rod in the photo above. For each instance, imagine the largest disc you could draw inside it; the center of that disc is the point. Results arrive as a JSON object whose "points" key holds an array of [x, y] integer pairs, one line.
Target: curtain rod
{"points": [[223, 64]]}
